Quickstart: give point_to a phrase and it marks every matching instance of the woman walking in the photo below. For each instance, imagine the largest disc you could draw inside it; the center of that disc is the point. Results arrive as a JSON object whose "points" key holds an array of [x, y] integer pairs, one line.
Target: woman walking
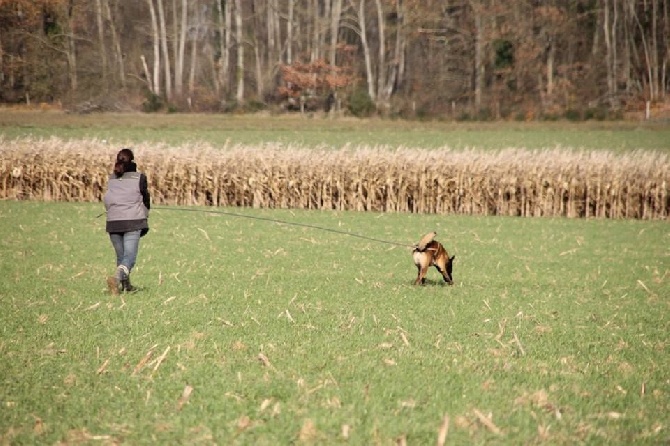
{"points": [[127, 202]]}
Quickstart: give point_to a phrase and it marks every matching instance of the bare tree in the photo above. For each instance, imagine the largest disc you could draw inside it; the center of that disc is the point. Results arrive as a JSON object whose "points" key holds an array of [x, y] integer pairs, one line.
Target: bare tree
{"points": [[335, 15], [357, 23], [164, 47], [101, 43], [649, 44], [239, 75], [318, 36], [224, 22], [195, 32], [180, 46], [66, 15], [551, 25], [156, 84], [387, 68], [610, 22], [116, 42], [264, 45], [289, 32]]}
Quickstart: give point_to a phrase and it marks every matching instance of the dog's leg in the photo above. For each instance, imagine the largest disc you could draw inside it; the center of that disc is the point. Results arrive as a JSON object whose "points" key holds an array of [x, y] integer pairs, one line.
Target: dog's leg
{"points": [[418, 275], [421, 277]]}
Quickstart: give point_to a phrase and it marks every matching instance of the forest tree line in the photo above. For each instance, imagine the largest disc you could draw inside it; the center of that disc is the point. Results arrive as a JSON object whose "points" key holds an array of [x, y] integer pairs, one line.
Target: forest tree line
{"points": [[484, 59]]}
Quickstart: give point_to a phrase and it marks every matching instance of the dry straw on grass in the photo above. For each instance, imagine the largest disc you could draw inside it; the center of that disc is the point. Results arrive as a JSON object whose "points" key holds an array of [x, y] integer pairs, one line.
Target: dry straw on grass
{"points": [[518, 182]]}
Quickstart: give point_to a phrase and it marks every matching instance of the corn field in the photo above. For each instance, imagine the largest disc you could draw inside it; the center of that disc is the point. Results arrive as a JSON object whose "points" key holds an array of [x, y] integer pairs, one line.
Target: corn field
{"points": [[513, 182]]}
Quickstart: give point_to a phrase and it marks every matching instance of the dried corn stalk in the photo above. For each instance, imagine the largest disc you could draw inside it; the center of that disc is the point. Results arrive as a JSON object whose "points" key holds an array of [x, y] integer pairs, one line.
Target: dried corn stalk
{"points": [[517, 182]]}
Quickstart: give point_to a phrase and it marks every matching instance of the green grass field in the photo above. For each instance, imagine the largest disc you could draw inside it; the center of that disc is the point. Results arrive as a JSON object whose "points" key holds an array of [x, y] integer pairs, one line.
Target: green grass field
{"points": [[247, 331], [177, 129]]}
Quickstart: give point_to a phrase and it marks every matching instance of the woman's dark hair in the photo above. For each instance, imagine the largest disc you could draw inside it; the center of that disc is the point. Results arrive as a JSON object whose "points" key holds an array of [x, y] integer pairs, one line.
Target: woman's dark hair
{"points": [[125, 162], [125, 155]]}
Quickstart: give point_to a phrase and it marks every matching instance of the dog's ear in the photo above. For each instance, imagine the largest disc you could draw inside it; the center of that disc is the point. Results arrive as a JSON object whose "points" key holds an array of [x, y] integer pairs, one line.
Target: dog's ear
{"points": [[425, 240], [452, 257]]}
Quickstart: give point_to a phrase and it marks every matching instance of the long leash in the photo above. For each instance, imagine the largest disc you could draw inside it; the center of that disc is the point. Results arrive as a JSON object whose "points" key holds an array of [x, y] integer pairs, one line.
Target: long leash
{"points": [[282, 222]]}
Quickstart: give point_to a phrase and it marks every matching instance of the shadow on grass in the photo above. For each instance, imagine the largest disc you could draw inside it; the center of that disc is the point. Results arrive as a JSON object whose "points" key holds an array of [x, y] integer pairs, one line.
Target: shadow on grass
{"points": [[432, 283]]}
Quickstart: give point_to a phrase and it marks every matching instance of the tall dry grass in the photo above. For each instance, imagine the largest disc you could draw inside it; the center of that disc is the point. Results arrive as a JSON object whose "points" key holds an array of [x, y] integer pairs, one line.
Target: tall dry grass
{"points": [[518, 182]]}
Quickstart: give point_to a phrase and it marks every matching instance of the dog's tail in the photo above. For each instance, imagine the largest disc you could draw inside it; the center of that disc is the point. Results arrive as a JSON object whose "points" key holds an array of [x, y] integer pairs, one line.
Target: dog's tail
{"points": [[421, 246]]}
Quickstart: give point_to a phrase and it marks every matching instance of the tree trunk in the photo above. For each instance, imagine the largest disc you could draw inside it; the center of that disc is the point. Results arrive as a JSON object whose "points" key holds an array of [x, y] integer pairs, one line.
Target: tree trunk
{"points": [[401, 46], [71, 47], [270, 31], [175, 33], [381, 56], [256, 40], [147, 74], [551, 54], [610, 49], [101, 41], [273, 36], [627, 33], [239, 75], [317, 35], [648, 61], [289, 32], [156, 44], [259, 71], [260, 42], [181, 46], [164, 47], [655, 72], [334, 30], [367, 56], [479, 57], [224, 13], [665, 86], [118, 53], [398, 51], [194, 59]]}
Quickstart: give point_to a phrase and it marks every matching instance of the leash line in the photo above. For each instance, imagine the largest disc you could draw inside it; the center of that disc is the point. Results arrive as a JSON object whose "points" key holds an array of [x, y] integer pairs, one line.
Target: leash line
{"points": [[283, 222]]}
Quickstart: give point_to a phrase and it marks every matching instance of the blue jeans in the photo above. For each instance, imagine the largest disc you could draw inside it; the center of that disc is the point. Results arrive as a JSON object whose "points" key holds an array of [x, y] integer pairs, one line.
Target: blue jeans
{"points": [[126, 245]]}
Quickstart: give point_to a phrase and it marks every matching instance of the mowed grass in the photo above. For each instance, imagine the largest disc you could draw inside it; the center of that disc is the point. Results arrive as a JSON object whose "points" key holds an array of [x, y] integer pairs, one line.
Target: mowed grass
{"points": [[120, 129], [246, 331]]}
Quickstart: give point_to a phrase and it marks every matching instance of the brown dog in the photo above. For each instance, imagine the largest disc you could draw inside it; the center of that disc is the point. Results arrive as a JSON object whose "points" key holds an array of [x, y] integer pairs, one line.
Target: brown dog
{"points": [[429, 252]]}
